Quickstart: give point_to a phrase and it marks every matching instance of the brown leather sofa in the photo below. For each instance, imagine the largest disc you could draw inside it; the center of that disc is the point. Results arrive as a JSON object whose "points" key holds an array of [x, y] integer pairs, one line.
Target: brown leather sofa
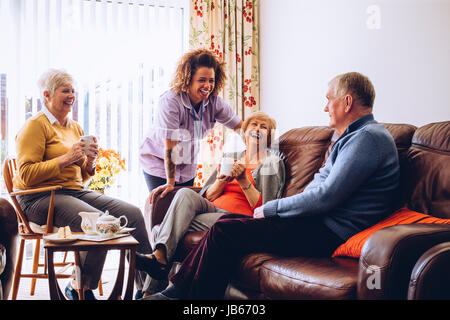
{"points": [[385, 268], [8, 246]]}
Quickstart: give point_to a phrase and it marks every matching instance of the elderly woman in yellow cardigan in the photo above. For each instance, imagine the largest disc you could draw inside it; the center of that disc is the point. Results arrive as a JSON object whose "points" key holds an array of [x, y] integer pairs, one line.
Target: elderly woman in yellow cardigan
{"points": [[49, 152]]}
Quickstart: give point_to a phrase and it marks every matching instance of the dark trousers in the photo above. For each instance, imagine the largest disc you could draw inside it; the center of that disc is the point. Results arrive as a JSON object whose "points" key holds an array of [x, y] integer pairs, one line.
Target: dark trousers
{"points": [[154, 182], [206, 271]]}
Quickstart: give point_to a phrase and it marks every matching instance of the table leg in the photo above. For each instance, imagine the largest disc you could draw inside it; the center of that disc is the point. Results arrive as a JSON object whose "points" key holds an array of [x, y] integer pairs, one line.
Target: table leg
{"points": [[55, 292], [131, 271], [116, 292]]}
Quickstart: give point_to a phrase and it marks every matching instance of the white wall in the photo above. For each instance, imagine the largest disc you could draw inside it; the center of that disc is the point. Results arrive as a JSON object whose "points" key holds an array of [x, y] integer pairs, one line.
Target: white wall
{"points": [[406, 54]]}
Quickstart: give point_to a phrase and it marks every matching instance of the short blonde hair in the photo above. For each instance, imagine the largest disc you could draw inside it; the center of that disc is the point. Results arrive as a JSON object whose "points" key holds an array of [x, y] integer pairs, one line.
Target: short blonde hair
{"points": [[272, 124], [190, 63], [52, 79]]}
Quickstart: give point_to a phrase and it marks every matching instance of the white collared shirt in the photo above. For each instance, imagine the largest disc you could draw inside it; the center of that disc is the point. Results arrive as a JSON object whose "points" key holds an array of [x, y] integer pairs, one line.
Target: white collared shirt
{"points": [[53, 119]]}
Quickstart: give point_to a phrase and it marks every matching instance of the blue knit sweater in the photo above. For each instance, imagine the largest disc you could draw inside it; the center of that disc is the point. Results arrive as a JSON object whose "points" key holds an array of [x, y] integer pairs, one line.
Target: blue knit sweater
{"points": [[355, 188]]}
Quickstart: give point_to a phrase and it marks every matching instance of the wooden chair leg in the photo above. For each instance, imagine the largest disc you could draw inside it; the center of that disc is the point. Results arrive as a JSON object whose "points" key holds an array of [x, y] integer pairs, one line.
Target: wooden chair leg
{"points": [[35, 265], [18, 271]]}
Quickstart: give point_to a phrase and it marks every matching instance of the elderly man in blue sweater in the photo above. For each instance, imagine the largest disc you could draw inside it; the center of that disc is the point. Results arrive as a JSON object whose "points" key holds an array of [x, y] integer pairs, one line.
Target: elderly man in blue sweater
{"points": [[352, 191]]}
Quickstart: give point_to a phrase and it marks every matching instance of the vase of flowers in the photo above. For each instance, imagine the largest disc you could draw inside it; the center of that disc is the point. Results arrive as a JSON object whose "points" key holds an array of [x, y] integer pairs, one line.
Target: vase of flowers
{"points": [[107, 167]]}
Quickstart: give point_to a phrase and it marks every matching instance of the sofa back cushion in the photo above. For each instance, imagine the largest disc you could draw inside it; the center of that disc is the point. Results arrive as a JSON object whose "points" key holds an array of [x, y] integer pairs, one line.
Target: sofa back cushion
{"points": [[402, 134], [304, 149], [307, 148], [429, 170]]}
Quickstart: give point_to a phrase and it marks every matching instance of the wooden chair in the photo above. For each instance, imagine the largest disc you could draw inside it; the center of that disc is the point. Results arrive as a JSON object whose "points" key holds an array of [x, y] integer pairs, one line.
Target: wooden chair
{"points": [[31, 231]]}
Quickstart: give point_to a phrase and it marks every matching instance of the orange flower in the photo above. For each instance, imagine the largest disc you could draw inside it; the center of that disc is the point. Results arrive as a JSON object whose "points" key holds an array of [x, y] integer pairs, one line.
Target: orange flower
{"points": [[107, 166]]}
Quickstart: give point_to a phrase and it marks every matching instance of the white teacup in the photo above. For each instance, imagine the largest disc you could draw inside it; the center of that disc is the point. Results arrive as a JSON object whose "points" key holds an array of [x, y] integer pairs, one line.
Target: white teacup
{"points": [[226, 165], [87, 140]]}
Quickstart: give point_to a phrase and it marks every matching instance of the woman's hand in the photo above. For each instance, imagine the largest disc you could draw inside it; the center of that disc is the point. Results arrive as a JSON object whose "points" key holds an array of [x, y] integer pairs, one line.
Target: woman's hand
{"points": [[216, 189], [93, 152], [224, 178], [163, 190], [238, 172], [91, 156], [75, 154]]}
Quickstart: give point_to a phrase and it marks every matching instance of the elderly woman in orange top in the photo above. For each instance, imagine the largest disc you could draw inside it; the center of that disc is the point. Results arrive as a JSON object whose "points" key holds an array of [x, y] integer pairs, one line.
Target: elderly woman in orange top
{"points": [[257, 176], [49, 152]]}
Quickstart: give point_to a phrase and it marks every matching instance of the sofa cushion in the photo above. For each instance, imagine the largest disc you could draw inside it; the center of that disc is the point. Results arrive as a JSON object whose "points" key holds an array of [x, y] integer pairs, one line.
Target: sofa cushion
{"points": [[308, 278], [353, 246], [292, 278]]}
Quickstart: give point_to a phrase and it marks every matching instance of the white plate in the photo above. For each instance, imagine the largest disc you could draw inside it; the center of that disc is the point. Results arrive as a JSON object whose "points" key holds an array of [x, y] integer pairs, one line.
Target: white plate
{"points": [[98, 238], [125, 230], [54, 238]]}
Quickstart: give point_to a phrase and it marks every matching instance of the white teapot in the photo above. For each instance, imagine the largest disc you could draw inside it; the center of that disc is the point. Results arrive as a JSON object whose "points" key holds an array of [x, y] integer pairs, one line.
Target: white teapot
{"points": [[107, 225], [88, 222]]}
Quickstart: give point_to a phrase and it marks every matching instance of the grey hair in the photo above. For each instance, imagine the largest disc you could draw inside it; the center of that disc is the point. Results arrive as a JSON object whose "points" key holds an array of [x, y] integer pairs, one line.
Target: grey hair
{"points": [[52, 79], [358, 85]]}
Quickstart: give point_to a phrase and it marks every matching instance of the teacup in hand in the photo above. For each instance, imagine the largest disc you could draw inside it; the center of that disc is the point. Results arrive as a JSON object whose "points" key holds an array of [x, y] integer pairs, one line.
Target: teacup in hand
{"points": [[226, 165], [107, 225], [87, 141]]}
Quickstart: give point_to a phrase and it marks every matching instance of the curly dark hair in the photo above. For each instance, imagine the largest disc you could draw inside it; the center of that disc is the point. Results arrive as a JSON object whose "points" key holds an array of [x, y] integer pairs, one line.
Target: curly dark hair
{"points": [[190, 63]]}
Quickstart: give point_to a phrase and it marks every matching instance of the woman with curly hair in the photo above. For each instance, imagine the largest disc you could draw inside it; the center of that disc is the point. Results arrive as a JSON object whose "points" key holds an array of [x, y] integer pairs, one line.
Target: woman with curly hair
{"points": [[186, 112]]}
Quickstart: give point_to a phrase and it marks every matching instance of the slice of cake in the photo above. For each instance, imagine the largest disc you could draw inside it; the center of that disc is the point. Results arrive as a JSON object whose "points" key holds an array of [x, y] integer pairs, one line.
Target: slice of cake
{"points": [[65, 233]]}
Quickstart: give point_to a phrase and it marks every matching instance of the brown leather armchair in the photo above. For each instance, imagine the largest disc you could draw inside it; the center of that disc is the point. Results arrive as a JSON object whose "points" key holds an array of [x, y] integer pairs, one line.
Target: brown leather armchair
{"points": [[8, 246], [388, 257], [430, 278]]}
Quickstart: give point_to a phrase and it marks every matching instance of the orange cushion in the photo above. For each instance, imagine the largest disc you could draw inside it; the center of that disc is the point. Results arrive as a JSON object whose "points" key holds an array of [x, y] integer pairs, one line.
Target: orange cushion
{"points": [[353, 246]]}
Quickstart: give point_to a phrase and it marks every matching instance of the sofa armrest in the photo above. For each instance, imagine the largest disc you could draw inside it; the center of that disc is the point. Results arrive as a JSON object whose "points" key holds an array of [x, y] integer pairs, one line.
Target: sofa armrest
{"points": [[2, 266], [389, 256], [2, 258], [430, 278], [160, 206]]}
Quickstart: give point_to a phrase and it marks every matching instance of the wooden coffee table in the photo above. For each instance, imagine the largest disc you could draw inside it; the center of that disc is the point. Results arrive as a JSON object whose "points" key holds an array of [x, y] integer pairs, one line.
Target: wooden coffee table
{"points": [[124, 244]]}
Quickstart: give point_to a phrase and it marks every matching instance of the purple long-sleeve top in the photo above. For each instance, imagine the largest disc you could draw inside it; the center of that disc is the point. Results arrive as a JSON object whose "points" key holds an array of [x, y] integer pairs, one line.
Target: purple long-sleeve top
{"points": [[175, 121]]}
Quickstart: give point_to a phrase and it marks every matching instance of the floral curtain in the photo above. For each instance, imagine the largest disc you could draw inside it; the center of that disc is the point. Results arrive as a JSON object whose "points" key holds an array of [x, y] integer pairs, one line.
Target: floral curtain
{"points": [[229, 28]]}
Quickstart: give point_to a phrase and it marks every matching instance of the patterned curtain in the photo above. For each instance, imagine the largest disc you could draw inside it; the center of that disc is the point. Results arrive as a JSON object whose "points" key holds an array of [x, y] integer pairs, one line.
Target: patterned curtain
{"points": [[229, 28]]}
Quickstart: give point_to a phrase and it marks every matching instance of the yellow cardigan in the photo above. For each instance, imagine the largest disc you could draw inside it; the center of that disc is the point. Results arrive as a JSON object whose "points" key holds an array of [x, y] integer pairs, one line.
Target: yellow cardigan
{"points": [[38, 145]]}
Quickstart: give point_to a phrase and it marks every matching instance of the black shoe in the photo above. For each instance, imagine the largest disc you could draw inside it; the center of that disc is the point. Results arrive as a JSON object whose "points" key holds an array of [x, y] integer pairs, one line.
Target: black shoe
{"points": [[138, 295], [155, 269], [72, 294]]}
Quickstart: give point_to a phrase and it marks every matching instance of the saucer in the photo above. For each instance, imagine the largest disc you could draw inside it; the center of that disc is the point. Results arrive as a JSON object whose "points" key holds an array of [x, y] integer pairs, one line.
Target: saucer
{"points": [[126, 230], [98, 238]]}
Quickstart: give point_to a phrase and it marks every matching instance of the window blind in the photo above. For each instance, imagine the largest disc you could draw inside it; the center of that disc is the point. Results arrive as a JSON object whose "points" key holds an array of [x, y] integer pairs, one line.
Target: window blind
{"points": [[122, 55]]}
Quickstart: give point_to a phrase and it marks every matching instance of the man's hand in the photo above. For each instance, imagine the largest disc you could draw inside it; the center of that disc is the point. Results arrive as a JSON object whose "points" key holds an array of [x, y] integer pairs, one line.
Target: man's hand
{"points": [[258, 213], [163, 190]]}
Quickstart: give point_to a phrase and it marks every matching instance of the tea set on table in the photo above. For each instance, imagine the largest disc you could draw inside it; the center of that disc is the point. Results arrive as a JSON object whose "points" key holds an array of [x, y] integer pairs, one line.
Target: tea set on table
{"points": [[97, 227], [102, 227]]}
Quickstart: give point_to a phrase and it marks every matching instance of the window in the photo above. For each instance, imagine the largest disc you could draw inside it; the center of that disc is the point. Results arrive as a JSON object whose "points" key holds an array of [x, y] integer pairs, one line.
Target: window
{"points": [[121, 53]]}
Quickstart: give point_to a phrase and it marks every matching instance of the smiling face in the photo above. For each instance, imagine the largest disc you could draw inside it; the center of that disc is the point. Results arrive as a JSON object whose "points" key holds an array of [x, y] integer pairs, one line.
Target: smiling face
{"points": [[60, 103], [256, 133], [202, 84]]}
